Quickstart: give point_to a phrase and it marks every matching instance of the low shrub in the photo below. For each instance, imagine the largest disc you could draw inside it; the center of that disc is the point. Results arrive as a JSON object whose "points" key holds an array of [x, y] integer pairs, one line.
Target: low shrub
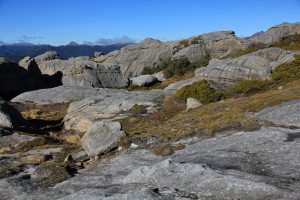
{"points": [[287, 72], [201, 91], [196, 39], [185, 43], [291, 42], [249, 87]]}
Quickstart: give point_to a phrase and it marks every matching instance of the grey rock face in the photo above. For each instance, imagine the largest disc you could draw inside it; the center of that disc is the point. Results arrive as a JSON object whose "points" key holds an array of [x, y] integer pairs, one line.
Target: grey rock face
{"points": [[134, 58], [160, 76], [222, 43], [276, 33], [24, 61], [79, 58], [49, 55], [177, 85], [251, 165], [10, 117], [276, 56], [61, 94], [286, 114], [85, 73], [82, 114], [227, 73], [13, 79], [267, 154], [102, 137], [143, 80], [194, 52]]}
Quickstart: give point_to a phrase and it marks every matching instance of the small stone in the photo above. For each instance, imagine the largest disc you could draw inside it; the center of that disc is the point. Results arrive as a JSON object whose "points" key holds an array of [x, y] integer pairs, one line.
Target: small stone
{"points": [[280, 88], [134, 146], [68, 158], [192, 103]]}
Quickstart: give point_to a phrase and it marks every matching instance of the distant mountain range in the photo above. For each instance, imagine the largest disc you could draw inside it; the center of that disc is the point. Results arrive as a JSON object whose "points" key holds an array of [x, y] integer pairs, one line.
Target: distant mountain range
{"points": [[18, 51]]}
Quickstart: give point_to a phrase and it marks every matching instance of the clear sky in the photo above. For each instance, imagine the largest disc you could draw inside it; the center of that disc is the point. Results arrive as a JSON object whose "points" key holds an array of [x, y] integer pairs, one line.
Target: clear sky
{"points": [[58, 22]]}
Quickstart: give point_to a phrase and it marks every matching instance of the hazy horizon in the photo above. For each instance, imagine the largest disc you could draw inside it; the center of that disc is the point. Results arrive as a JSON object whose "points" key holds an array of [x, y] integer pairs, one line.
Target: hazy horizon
{"points": [[105, 22]]}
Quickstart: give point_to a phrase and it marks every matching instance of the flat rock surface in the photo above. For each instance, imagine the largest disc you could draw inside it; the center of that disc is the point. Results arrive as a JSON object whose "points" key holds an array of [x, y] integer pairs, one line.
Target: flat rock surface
{"points": [[286, 114], [62, 94], [249, 165]]}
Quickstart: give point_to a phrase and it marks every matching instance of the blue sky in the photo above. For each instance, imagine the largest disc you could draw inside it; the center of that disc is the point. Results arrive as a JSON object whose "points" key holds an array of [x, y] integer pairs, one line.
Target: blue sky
{"points": [[58, 22]]}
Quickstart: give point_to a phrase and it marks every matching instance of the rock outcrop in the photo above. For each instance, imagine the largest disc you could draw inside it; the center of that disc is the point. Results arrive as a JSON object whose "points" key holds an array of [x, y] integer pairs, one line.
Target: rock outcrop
{"points": [[134, 58], [82, 114], [13, 79], [49, 55], [102, 137], [285, 114], [61, 94], [85, 73], [275, 56], [11, 117], [225, 74], [143, 80], [276, 33]]}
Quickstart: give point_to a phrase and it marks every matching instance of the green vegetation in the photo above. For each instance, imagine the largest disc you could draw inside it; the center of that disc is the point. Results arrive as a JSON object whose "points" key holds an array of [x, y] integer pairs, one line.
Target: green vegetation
{"points": [[249, 87], [173, 123], [185, 43], [283, 74], [287, 72], [291, 42], [196, 39], [200, 90], [177, 66]]}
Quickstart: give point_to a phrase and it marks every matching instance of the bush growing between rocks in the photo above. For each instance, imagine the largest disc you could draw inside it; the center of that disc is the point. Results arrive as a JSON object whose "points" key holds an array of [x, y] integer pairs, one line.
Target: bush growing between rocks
{"points": [[249, 87], [287, 72], [185, 43], [291, 42], [201, 91], [252, 48], [196, 39]]}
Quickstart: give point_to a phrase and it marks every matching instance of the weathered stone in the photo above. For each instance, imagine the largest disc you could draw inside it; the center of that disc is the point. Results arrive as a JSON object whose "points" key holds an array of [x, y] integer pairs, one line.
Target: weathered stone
{"points": [[276, 56], [177, 85], [13, 79], [24, 61], [192, 103], [11, 117], [85, 73], [194, 53], [33, 159], [79, 58], [143, 80], [82, 114], [61, 94], [102, 137], [276, 33], [98, 54], [49, 55], [9, 142], [134, 58], [225, 74], [160, 76], [286, 114]]}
